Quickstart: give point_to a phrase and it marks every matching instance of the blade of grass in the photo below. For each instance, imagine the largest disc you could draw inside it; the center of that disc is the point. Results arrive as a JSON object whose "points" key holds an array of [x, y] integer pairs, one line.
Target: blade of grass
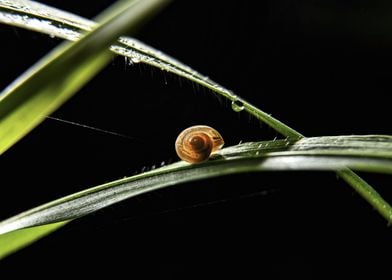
{"points": [[26, 102], [329, 153], [45, 19], [16, 240], [369, 153], [368, 193]]}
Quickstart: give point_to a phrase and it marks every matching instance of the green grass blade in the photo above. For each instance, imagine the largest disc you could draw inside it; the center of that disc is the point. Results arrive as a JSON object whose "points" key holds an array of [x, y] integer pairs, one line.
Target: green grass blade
{"points": [[366, 153], [368, 193], [45, 19], [16, 240], [26, 102]]}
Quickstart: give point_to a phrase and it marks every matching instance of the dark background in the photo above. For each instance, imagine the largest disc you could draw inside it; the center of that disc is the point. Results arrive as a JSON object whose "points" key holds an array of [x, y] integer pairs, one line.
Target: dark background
{"points": [[322, 67]]}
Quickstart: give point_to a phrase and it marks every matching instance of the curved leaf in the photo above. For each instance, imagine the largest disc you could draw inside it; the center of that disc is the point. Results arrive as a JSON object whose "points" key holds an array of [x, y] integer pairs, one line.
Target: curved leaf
{"points": [[13, 241], [42, 18], [365, 153]]}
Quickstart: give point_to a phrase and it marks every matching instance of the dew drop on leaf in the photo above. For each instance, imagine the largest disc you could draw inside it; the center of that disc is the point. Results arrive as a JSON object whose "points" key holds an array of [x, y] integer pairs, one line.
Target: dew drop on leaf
{"points": [[237, 106], [135, 59]]}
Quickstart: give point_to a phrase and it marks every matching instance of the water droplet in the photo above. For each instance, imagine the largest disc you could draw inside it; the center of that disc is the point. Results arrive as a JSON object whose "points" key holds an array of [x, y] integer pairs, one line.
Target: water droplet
{"points": [[135, 59], [237, 106]]}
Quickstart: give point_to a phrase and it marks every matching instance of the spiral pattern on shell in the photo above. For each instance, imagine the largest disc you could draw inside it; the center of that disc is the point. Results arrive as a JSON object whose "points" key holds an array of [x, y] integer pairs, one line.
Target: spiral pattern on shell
{"points": [[196, 143]]}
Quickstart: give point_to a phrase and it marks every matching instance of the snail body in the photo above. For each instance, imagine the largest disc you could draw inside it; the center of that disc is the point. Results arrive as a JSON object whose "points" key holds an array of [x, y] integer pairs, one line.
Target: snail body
{"points": [[196, 143]]}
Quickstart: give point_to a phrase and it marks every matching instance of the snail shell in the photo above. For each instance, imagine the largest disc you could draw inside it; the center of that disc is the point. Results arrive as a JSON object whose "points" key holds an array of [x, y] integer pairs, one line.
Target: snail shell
{"points": [[196, 143]]}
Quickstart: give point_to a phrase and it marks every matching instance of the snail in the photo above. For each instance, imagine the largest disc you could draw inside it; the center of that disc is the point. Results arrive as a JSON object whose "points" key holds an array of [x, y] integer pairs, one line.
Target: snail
{"points": [[196, 143]]}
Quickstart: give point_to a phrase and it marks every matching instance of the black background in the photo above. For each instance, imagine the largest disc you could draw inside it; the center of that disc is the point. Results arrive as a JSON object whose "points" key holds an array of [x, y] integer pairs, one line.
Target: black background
{"points": [[322, 67]]}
